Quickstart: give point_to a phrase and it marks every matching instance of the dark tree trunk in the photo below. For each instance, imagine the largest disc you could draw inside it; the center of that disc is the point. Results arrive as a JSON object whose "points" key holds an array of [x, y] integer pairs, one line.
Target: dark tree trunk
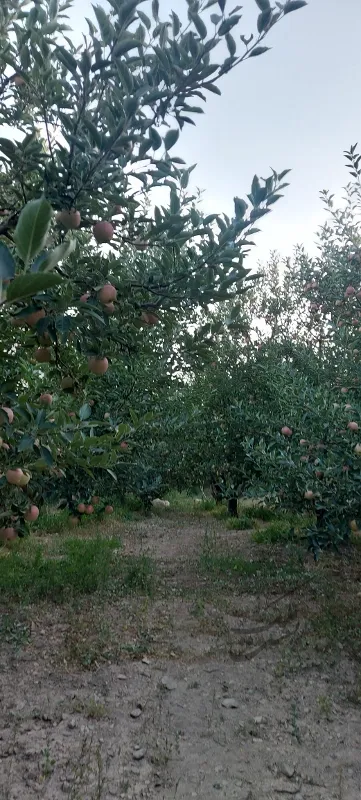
{"points": [[233, 507]]}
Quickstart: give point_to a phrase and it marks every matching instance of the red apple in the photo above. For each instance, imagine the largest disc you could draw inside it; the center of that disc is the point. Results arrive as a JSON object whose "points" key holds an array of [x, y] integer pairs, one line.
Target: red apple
{"points": [[14, 476], [46, 398], [81, 508], [123, 446], [109, 309], [7, 534], [33, 318], [89, 509], [109, 509], [352, 426], [107, 294], [309, 495], [103, 232], [98, 366], [68, 219], [286, 431], [31, 514], [42, 355], [84, 297], [95, 500]]}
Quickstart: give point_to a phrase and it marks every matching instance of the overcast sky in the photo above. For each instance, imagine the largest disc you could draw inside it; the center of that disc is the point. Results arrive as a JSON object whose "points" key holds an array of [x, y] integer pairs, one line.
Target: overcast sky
{"points": [[297, 106]]}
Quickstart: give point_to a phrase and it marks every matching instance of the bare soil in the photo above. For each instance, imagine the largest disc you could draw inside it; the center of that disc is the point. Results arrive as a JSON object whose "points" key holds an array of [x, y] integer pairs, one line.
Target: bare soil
{"points": [[199, 691]]}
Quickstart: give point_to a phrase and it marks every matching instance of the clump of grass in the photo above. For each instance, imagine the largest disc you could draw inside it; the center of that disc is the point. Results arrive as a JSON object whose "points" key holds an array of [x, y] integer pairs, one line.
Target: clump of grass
{"points": [[138, 574], [242, 523], [83, 566], [52, 521], [14, 631], [254, 575], [277, 531], [339, 623], [261, 512]]}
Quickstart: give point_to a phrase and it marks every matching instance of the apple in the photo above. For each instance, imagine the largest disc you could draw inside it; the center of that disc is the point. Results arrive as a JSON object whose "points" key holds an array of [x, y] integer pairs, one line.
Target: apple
{"points": [[33, 318], [84, 297], [14, 476], [107, 294], [89, 509], [46, 398], [17, 322], [67, 382], [81, 508], [286, 431], [7, 534], [6, 415], [68, 219], [309, 495], [103, 232], [123, 446], [109, 509], [109, 309], [18, 80], [148, 318], [5, 446], [95, 500], [42, 355], [344, 390], [357, 449], [352, 426], [350, 291], [25, 478], [303, 442], [107, 415], [353, 525], [98, 366], [31, 514]]}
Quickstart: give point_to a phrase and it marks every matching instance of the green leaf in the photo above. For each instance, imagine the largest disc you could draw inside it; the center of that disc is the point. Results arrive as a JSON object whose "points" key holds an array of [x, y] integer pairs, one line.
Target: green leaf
{"points": [[125, 45], [199, 25], [293, 5], [212, 88], [7, 263], [85, 412], [171, 138], [263, 5], [60, 253], [106, 29], [26, 443], [176, 23], [231, 44], [66, 59], [228, 24], [264, 20], [155, 138], [30, 284], [145, 19], [32, 229], [46, 454], [258, 51], [155, 9]]}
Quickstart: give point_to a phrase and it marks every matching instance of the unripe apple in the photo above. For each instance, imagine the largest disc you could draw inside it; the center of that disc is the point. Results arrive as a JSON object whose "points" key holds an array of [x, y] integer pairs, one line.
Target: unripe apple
{"points": [[303, 442], [31, 514], [309, 495], [350, 291], [352, 426], [81, 508], [84, 297], [67, 382], [5, 446], [344, 390], [14, 476], [42, 355], [123, 446], [98, 366], [18, 80], [6, 415], [148, 318], [286, 431], [68, 219], [107, 294], [107, 415], [33, 318], [357, 449], [89, 509], [109, 509], [353, 525], [25, 478], [46, 398], [103, 232], [109, 309]]}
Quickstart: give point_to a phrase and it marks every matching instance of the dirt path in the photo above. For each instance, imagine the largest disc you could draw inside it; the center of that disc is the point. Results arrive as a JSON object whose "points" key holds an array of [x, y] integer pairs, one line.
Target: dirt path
{"points": [[198, 691]]}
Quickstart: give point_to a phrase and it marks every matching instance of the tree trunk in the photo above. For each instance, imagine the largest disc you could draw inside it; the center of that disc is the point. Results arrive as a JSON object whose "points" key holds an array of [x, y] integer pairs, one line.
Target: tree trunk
{"points": [[233, 507]]}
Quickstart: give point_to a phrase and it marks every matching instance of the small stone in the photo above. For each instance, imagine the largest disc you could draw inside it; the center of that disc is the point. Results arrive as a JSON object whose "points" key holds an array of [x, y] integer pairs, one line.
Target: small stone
{"points": [[168, 683], [286, 770], [146, 661], [284, 787], [258, 720], [72, 724], [138, 755], [122, 677], [136, 712], [229, 702]]}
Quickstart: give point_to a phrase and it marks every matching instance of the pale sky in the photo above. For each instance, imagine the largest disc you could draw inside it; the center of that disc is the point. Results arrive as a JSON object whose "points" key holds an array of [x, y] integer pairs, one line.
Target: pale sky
{"points": [[297, 106]]}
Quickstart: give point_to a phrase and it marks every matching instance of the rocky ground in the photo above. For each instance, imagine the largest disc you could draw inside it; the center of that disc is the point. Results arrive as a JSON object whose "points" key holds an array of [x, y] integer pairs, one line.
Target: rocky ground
{"points": [[206, 688]]}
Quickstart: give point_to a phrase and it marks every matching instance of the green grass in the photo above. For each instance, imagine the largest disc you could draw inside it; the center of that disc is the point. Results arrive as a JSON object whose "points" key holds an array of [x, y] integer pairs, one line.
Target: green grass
{"points": [[254, 575], [242, 523], [261, 512], [81, 566], [52, 521]]}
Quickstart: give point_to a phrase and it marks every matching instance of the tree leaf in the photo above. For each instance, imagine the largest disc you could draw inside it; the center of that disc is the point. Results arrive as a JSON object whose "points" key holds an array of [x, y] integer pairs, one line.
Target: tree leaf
{"points": [[32, 229], [199, 25], [293, 5], [263, 5], [60, 253], [26, 443], [125, 45], [258, 51], [264, 20], [171, 138], [7, 263], [106, 29], [85, 412], [46, 454], [30, 284]]}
